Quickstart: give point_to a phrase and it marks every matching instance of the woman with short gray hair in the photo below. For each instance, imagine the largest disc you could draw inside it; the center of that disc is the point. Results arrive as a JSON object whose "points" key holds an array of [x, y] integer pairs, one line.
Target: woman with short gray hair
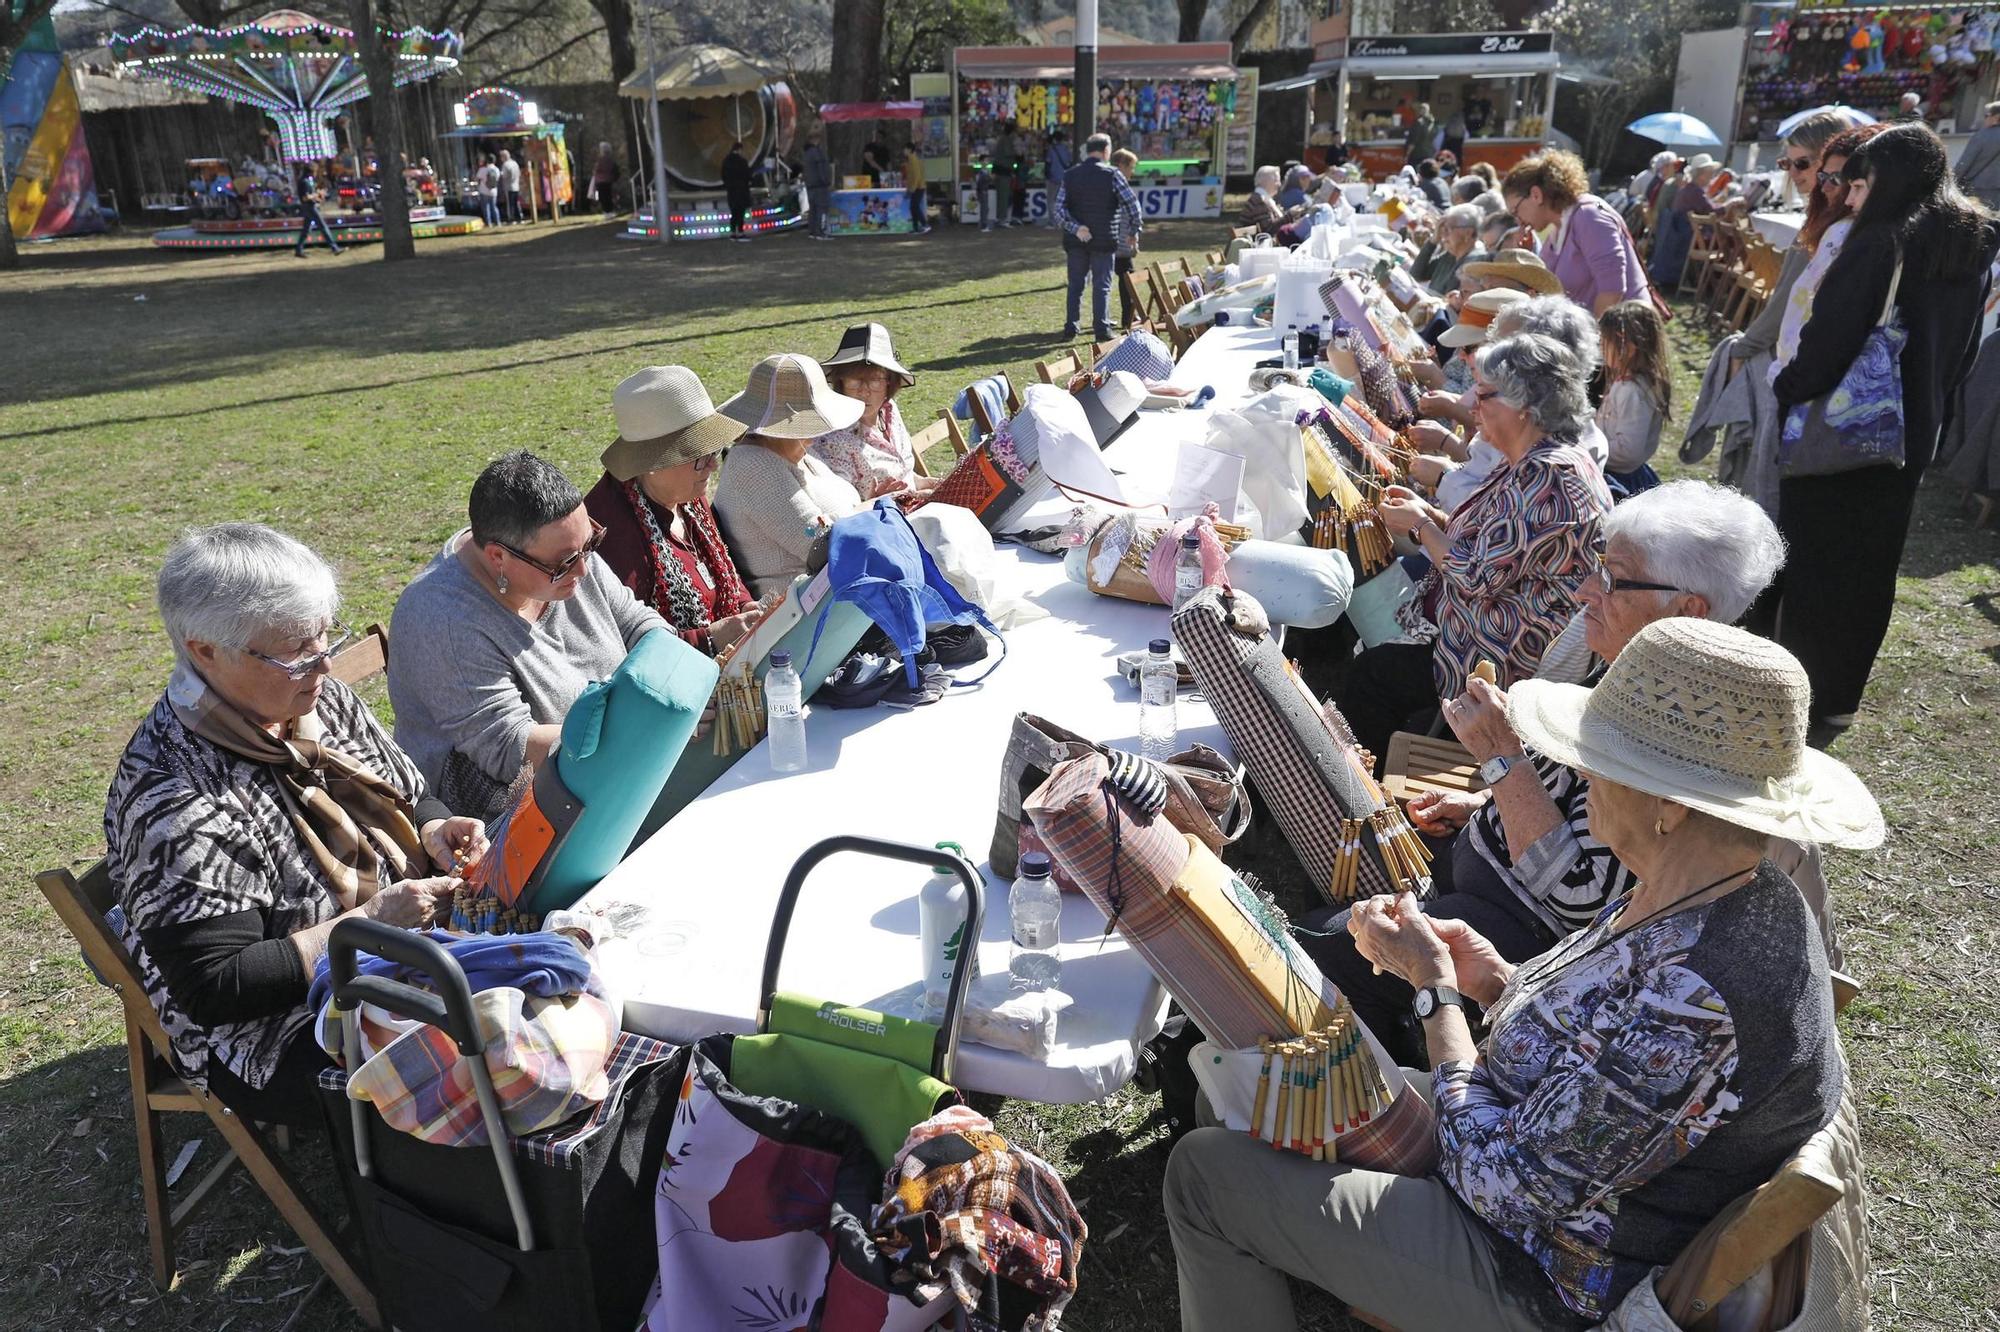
{"points": [[1262, 209], [1436, 264], [502, 631], [257, 803], [1507, 564]]}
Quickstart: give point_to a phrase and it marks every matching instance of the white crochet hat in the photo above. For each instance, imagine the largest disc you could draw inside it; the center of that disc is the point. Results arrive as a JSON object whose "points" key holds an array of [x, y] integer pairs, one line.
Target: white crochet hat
{"points": [[1710, 716]]}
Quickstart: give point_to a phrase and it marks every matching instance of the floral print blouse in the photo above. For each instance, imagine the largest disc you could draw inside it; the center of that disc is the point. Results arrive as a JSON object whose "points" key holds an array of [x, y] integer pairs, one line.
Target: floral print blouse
{"points": [[876, 460]]}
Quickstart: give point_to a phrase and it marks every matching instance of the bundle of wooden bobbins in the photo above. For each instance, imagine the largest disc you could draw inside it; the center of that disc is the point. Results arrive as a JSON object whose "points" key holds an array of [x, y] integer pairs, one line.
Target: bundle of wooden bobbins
{"points": [[1326, 1083], [739, 712]]}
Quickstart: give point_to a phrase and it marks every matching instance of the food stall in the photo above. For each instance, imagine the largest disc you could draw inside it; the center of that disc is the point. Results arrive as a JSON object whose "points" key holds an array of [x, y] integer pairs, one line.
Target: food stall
{"points": [[1171, 103], [493, 118], [861, 207], [1367, 89]]}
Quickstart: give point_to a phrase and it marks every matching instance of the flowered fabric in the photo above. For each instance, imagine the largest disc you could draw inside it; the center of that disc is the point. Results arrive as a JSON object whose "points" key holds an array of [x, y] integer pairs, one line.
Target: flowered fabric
{"points": [[193, 831], [1519, 547], [875, 460], [1798, 306]]}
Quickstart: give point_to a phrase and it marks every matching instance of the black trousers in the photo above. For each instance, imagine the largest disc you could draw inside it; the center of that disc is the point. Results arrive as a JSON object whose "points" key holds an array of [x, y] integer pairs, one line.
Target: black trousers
{"points": [[1468, 889], [1387, 688], [291, 1097], [737, 209], [1121, 269], [1844, 540]]}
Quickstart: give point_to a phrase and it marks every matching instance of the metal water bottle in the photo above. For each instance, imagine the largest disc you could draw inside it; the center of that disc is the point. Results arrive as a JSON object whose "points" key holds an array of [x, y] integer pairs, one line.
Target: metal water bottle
{"points": [[941, 917]]}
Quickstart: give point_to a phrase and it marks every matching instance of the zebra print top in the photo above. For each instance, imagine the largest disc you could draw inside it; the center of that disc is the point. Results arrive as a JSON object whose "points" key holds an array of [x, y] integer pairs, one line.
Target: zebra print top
{"points": [[194, 832], [1567, 876]]}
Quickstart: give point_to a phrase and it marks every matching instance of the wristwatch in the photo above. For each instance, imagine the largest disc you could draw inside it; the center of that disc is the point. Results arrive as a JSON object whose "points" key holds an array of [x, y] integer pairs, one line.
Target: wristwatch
{"points": [[1431, 996], [1491, 771]]}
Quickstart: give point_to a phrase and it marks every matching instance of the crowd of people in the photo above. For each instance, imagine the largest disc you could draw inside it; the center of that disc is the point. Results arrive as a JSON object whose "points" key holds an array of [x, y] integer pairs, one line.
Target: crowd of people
{"points": [[1632, 906]]}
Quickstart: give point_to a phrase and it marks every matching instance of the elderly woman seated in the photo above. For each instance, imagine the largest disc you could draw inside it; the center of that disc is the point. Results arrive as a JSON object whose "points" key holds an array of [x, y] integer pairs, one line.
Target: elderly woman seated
{"points": [[660, 536], [1436, 264], [874, 455], [1635, 1079], [258, 803], [502, 630], [1521, 866], [774, 497], [1507, 565], [1262, 209]]}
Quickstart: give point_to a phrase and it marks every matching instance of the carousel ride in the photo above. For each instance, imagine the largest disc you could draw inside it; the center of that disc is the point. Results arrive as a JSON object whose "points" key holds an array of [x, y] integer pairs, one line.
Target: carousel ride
{"points": [[301, 72], [709, 98]]}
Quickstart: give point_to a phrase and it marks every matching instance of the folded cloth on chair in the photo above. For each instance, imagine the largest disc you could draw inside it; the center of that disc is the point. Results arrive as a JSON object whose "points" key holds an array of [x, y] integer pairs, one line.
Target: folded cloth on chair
{"points": [[543, 965], [992, 394]]}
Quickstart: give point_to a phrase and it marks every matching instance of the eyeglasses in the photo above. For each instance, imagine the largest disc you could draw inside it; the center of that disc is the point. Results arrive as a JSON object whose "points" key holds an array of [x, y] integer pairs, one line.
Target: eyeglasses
{"points": [[555, 573], [1829, 178], [1607, 583], [1795, 163], [304, 666]]}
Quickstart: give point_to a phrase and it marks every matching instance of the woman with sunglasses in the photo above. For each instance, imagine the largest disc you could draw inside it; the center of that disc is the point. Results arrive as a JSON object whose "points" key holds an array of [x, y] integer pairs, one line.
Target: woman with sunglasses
{"points": [[660, 535], [1829, 217], [502, 630], [257, 803], [1800, 160]]}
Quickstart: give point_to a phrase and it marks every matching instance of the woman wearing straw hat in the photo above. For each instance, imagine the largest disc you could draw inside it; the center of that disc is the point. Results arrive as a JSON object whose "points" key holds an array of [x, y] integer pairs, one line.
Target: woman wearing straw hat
{"points": [[874, 455], [774, 498], [660, 535], [1635, 1079]]}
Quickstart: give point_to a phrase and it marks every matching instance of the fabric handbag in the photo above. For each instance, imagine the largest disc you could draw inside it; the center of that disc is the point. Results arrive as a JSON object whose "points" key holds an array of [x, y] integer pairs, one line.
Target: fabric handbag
{"points": [[1204, 794], [1352, 840], [1860, 422]]}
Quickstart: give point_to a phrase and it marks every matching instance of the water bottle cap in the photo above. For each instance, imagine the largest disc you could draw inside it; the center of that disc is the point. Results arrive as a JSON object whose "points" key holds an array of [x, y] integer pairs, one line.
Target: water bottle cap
{"points": [[780, 660], [1191, 541], [1160, 647], [1035, 865]]}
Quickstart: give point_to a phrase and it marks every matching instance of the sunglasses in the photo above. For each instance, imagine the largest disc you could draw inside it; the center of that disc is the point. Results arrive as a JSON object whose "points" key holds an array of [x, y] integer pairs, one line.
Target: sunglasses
{"points": [[304, 666], [1485, 395], [1830, 178], [1607, 583], [555, 573], [1795, 163]]}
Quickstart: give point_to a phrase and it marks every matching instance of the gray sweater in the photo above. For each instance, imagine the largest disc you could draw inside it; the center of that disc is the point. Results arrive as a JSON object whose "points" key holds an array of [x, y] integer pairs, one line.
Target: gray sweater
{"points": [[469, 678]]}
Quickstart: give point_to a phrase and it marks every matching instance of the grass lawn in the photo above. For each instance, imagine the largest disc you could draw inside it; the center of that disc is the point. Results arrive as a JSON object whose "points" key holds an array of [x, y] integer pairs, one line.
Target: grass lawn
{"points": [[350, 404]]}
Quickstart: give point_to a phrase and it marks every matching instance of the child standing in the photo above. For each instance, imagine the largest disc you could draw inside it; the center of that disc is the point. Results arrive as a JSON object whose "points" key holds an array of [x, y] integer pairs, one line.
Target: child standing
{"points": [[1638, 396]]}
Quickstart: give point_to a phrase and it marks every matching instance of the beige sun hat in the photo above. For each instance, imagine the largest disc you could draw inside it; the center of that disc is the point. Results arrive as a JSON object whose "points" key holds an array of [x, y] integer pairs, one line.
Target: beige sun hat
{"points": [[664, 419], [1711, 716], [1517, 266], [1477, 315], [788, 398]]}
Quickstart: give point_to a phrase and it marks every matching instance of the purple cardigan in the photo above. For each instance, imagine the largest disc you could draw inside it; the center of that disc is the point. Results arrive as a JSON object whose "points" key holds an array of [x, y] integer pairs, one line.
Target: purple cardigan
{"points": [[1593, 254]]}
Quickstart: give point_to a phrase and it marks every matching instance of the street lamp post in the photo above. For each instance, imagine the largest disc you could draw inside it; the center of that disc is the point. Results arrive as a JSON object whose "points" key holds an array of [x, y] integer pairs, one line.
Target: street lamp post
{"points": [[662, 214]]}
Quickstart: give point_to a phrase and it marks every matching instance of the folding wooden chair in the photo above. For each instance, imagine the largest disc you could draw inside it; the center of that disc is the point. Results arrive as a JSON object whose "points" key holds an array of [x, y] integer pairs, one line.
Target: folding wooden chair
{"points": [[934, 435], [156, 1089], [365, 657], [1754, 286], [1140, 290], [981, 417], [1417, 763], [1059, 369], [1243, 233], [954, 434]]}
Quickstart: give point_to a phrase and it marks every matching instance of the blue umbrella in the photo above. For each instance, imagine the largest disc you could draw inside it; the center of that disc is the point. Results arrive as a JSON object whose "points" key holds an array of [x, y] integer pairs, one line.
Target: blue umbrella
{"points": [[1675, 129]]}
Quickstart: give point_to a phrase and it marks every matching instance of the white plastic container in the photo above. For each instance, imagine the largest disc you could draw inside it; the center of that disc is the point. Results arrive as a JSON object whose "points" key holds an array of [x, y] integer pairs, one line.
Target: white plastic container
{"points": [[941, 916], [1034, 905], [1298, 301], [1261, 262]]}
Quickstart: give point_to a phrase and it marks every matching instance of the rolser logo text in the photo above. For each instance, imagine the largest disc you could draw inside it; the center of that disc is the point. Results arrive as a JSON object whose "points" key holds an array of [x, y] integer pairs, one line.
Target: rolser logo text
{"points": [[831, 1014]]}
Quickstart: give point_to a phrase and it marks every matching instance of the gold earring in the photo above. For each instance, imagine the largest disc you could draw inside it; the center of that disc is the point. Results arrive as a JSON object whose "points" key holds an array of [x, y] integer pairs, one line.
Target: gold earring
{"points": [[1659, 825]]}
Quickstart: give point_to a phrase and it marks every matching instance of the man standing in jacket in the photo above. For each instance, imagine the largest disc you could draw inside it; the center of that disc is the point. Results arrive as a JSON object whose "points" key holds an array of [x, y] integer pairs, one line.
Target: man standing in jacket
{"points": [[1093, 202], [1979, 164], [819, 184]]}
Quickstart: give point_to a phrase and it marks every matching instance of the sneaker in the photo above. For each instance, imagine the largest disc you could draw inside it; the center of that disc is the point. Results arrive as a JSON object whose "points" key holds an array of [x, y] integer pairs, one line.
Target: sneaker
{"points": [[1069, 333], [1101, 334]]}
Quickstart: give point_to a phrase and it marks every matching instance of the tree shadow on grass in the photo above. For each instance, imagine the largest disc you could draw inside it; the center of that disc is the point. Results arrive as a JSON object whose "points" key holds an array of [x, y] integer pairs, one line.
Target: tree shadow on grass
{"points": [[1942, 539]]}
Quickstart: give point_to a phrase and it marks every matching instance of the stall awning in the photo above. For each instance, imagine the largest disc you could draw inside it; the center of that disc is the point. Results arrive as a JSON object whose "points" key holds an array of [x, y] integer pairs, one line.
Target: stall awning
{"points": [[839, 111], [1163, 60], [1319, 69], [1436, 67], [697, 71]]}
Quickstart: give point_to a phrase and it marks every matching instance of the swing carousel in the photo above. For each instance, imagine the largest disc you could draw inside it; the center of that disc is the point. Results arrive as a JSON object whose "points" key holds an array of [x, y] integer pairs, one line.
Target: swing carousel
{"points": [[301, 72]]}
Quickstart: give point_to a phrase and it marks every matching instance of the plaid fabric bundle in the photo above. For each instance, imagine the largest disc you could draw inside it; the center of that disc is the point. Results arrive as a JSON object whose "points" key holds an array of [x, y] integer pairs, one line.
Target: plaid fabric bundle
{"points": [[1299, 753], [548, 1058], [1141, 353]]}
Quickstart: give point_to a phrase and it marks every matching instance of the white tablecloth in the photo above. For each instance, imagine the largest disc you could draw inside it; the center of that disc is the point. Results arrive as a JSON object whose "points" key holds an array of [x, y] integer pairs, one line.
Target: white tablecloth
{"points": [[1781, 229], [697, 898]]}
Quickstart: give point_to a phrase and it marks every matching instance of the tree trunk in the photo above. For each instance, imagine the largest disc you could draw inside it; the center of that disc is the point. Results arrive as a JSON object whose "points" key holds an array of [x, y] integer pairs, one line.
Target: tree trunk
{"points": [[385, 121], [618, 24], [1192, 14], [10, 257], [1244, 30], [856, 71]]}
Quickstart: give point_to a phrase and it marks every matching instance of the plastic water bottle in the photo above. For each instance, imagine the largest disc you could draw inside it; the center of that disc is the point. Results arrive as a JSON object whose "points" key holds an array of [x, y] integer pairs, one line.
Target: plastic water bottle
{"points": [[1291, 345], [942, 907], [1159, 682], [1187, 569], [1035, 905], [784, 713]]}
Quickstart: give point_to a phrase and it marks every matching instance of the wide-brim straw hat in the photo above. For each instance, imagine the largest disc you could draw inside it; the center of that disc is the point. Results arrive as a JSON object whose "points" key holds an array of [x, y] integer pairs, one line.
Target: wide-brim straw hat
{"points": [[788, 398], [868, 344], [1517, 266], [1697, 162], [1476, 317], [1710, 716], [664, 419]]}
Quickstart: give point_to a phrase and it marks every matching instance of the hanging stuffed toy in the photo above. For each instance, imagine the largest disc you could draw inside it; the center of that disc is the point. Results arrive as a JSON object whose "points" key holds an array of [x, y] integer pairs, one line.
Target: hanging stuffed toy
{"points": [[1874, 64], [1980, 31], [1857, 49], [1781, 36]]}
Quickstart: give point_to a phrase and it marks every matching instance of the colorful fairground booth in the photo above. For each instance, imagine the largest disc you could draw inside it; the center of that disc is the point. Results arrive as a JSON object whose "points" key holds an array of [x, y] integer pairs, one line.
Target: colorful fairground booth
{"points": [[1171, 103], [707, 98], [493, 118], [1491, 95]]}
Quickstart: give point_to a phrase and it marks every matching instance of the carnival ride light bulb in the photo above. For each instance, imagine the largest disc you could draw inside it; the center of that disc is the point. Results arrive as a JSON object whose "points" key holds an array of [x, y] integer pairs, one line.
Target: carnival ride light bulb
{"points": [[530, 114]]}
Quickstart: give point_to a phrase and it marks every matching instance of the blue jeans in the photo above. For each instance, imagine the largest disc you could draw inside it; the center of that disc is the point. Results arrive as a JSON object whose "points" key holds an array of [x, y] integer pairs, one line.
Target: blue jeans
{"points": [[308, 219], [919, 217], [489, 209], [1098, 264]]}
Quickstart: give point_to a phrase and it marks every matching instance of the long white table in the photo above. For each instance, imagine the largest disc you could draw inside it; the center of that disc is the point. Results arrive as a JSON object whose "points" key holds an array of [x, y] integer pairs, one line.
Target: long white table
{"points": [[696, 900], [1781, 229]]}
